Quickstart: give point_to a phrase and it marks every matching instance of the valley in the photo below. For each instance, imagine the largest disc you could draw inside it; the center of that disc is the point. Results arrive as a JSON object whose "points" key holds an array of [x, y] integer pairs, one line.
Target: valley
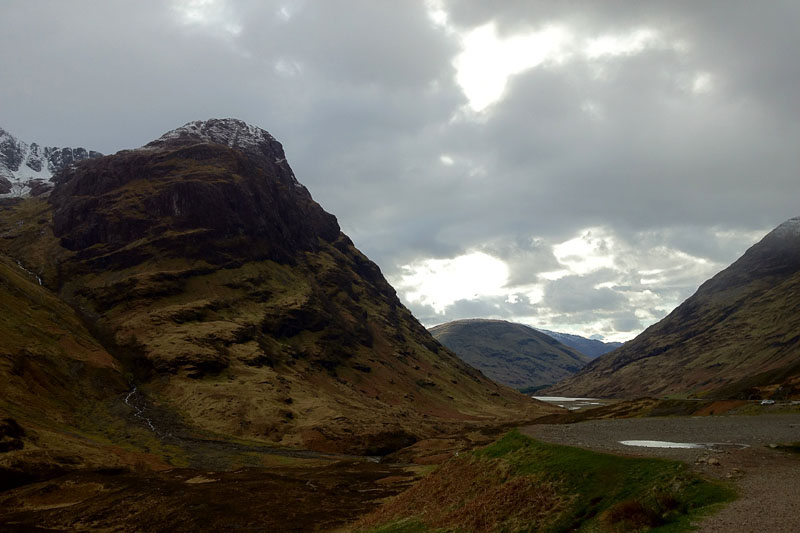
{"points": [[188, 341]]}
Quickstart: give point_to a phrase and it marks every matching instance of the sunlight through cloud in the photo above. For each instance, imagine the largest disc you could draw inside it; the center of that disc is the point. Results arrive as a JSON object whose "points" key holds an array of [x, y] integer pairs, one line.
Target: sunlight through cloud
{"points": [[621, 45], [488, 60], [589, 252], [441, 282], [211, 14]]}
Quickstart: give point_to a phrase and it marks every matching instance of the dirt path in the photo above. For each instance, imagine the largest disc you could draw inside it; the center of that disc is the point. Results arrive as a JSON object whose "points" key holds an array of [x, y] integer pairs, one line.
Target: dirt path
{"points": [[768, 480]]}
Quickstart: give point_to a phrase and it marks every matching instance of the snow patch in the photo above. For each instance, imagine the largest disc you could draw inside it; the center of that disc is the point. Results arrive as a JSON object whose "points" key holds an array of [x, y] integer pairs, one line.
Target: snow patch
{"points": [[789, 229], [229, 132], [25, 166]]}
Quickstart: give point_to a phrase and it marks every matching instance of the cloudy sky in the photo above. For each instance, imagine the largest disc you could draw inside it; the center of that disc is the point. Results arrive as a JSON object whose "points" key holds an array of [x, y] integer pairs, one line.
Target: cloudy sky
{"points": [[580, 166]]}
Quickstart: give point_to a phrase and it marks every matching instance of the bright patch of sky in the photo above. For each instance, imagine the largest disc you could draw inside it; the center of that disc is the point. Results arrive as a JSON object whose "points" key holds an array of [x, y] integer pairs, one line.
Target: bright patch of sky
{"points": [[589, 252], [488, 60], [442, 282], [642, 282], [621, 45], [703, 83], [288, 68], [436, 13], [210, 14]]}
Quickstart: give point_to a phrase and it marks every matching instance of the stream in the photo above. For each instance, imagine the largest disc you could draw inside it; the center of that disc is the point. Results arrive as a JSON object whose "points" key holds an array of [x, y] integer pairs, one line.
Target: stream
{"points": [[139, 411], [19, 264]]}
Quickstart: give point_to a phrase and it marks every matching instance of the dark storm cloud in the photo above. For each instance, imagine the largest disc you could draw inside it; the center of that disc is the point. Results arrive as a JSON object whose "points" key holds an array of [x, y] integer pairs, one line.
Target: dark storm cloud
{"points": [[364, 97]]}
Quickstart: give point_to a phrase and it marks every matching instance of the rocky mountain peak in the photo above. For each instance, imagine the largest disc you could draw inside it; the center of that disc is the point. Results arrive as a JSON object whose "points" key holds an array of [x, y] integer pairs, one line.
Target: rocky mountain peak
{"points": [[224, 180], [777, 254], [230, 132], [198, 259], [788, 230], [27, 169], [237, 134]]}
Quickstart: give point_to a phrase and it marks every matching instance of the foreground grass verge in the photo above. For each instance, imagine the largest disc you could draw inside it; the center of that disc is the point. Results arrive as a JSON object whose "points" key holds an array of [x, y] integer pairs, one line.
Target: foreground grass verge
{"points": [[519, 484]]}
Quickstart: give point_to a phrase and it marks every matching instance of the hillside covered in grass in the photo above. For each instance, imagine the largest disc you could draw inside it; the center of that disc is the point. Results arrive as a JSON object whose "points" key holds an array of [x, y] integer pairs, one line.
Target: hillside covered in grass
{"points": [[519, 484], [737, 337], [197, 279], [512, 354]]}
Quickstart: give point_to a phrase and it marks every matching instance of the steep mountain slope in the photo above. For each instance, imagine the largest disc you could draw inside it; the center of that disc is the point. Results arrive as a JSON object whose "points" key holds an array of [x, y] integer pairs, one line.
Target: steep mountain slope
{"points": [[737, 336], [592, 348], [52, 373], [512, 354], [236, 304], [26, 169]]}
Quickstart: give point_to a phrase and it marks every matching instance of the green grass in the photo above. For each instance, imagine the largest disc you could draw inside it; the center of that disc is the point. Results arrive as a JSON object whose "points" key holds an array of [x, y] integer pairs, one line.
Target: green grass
{"points": [[590, 492], [404, 526], [531, 390], [665, 489]]}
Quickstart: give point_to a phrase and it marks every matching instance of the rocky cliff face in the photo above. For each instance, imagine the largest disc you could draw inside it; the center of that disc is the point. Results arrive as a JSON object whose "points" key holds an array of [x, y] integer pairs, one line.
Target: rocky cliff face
{"points": [[236, 202], [237, 305], [737, 336], [27, 169]]}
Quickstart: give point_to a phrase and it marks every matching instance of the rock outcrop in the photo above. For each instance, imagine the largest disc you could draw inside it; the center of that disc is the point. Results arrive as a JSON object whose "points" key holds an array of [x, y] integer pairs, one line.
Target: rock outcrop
{"points": [[27, 169]]}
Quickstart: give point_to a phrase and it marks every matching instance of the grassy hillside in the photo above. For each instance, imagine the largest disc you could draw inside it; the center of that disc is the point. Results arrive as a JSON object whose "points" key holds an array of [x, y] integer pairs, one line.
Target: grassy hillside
{"points": [[738, 336], [519, 484], [52, 372], [238, 308], [513, 354]]}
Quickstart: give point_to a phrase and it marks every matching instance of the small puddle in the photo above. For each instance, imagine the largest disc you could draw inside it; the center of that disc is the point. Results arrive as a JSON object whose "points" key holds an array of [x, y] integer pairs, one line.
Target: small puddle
{"points": [[661, 444], [689, 445]]}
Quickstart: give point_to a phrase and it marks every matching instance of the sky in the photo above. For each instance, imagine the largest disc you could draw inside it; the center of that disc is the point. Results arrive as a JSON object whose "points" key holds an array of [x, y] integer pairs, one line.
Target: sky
{"points": [[578, 166]]}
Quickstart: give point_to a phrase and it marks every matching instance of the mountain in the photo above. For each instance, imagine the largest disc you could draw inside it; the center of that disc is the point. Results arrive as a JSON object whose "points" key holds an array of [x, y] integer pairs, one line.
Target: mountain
{"points": [[26, 169], [738, 336], [221, 303], [52, 371], [513, 354], [591, 348]]}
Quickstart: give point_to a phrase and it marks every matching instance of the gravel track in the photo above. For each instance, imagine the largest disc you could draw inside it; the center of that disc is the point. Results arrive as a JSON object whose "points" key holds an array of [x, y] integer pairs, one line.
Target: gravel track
{"points": [[768, 480]]}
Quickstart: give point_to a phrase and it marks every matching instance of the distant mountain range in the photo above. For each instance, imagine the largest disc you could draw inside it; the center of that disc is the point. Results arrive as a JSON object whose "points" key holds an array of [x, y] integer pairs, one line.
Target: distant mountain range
{"points": [[27, 169], [513, 354], [738, 336], [591, 348]]}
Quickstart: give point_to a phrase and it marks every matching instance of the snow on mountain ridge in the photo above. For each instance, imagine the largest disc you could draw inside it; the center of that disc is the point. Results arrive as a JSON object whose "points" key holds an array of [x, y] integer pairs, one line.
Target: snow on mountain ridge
{"points": [[231, 132], [27, 169], [227, 131], [790, 228]]}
